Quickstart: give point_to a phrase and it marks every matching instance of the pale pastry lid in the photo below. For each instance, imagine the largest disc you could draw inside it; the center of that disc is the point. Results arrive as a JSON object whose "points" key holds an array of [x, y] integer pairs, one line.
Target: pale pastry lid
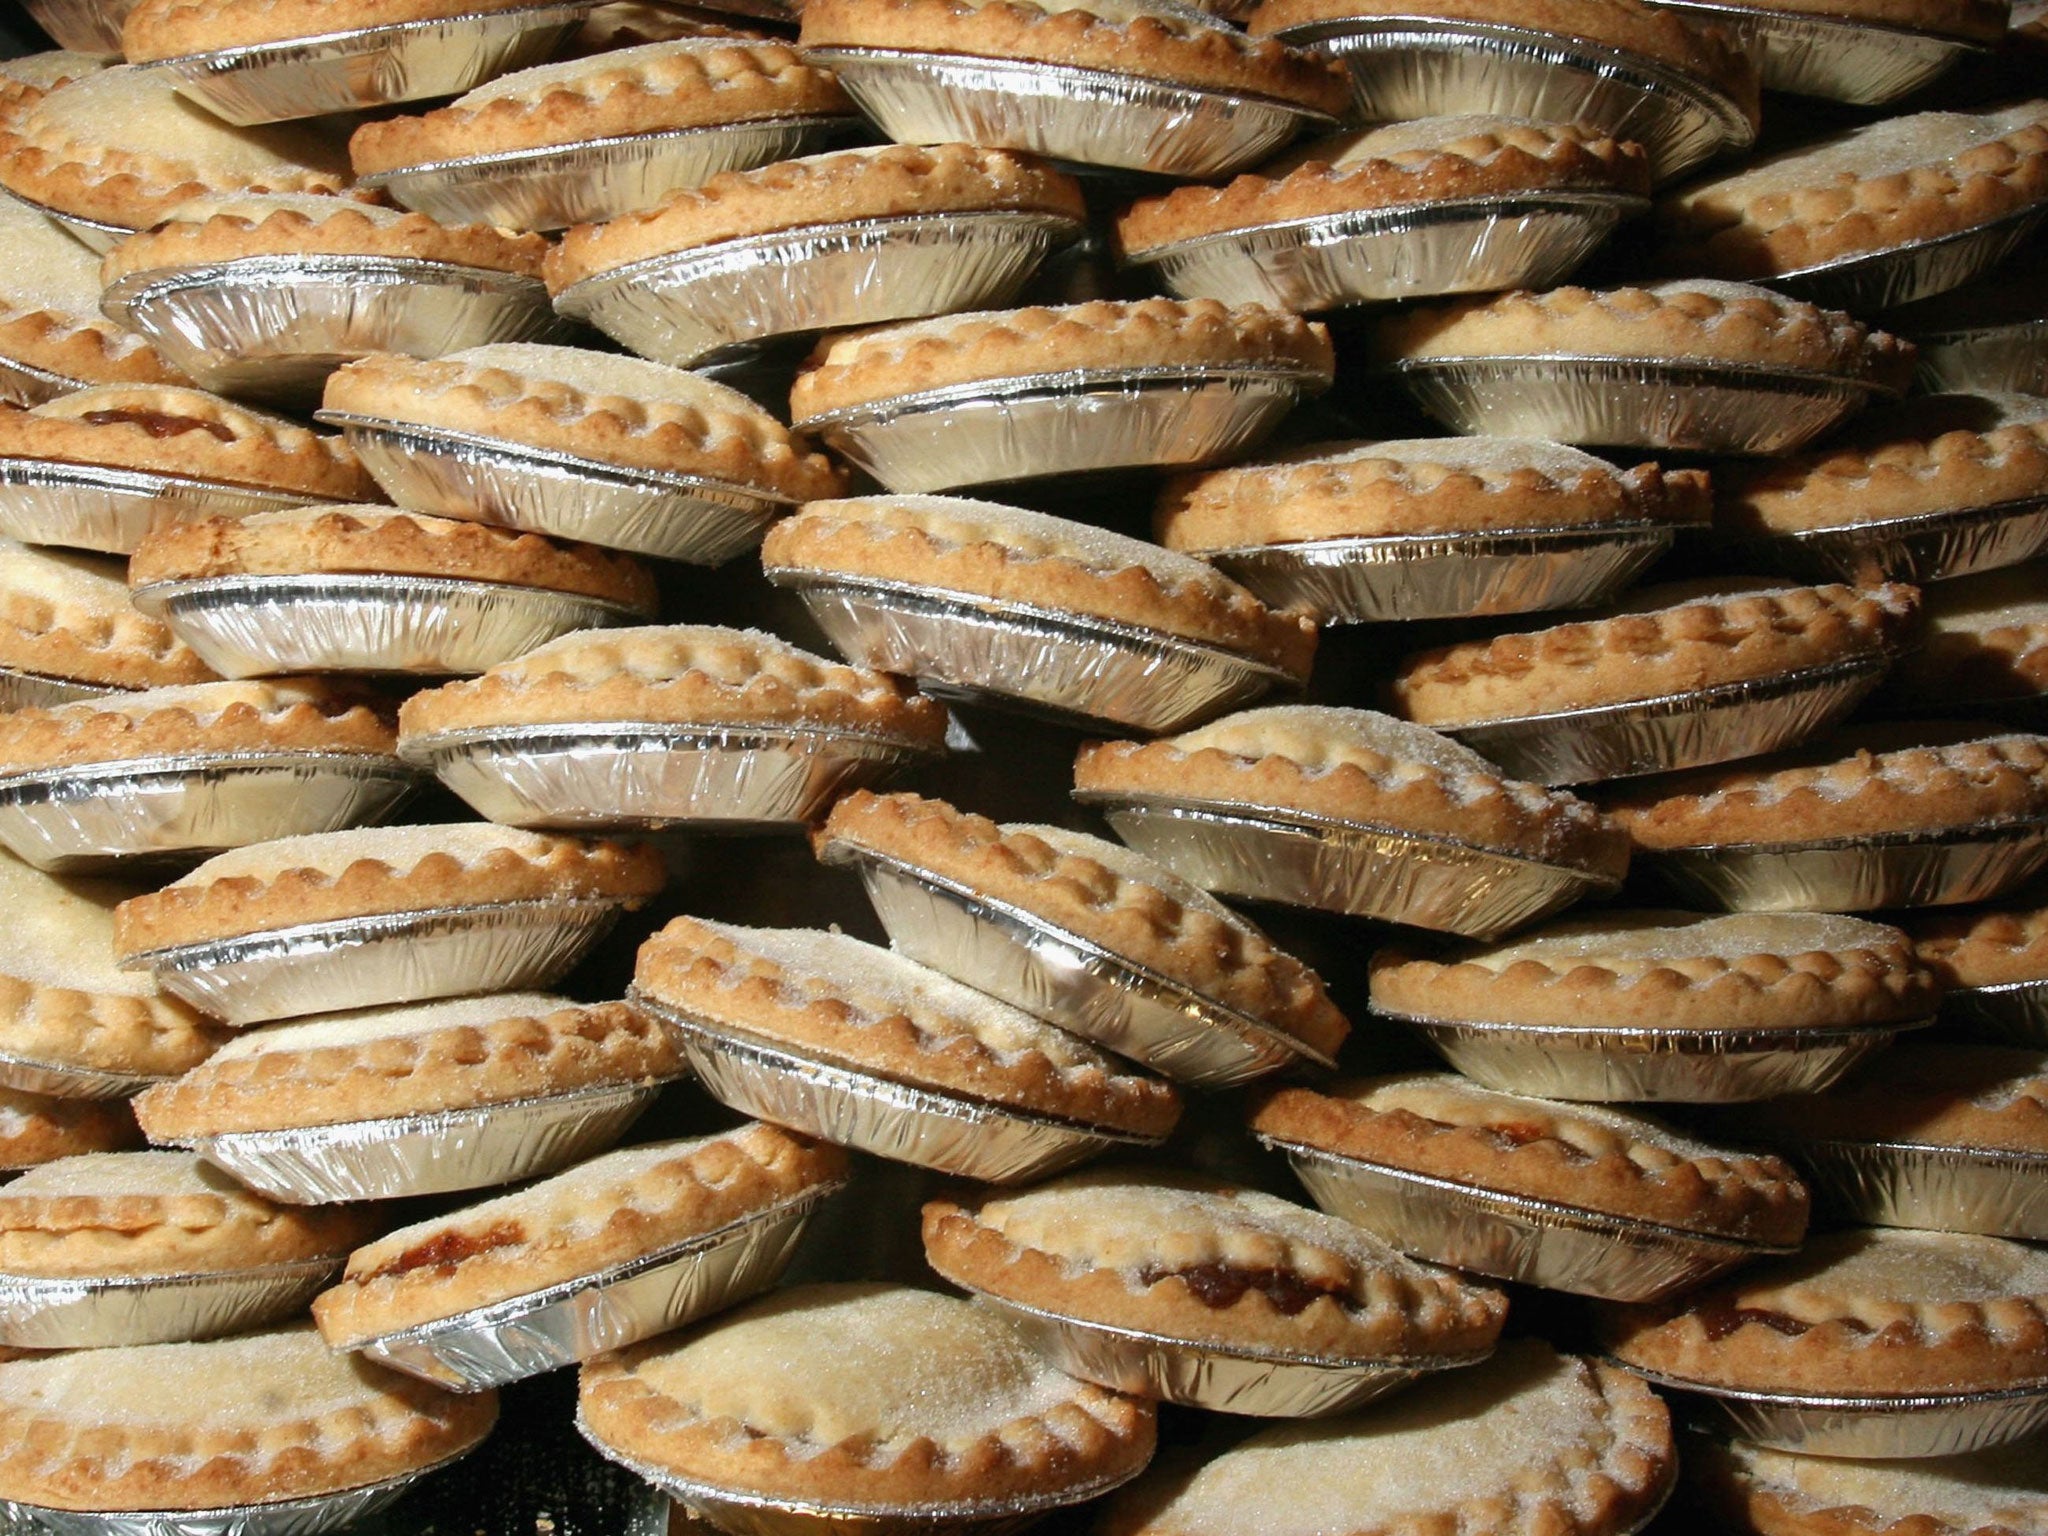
{"points": [[153, 1174], [1435, 1094], [86, 586], [59, 932], [1633, 941], [45, 268], [258, 206], [2016, 597], [347, 1030], [1415, 138], [1493, 461], [1928, 1268], [1128, 10], [399, 847], [205, 702], [605, 373], [1126, 864], [1889, 147], [535, 84], [49, 68], [2004, 1488]]}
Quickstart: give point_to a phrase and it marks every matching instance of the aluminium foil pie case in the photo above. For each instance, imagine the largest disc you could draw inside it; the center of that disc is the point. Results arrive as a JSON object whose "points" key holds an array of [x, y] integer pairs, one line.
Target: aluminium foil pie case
{"points": [[1054, 1014]]}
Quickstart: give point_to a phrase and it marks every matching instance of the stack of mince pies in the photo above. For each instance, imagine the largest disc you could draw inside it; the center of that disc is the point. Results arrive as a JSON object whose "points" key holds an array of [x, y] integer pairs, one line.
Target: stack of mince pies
{"points": [[1253, 768]]}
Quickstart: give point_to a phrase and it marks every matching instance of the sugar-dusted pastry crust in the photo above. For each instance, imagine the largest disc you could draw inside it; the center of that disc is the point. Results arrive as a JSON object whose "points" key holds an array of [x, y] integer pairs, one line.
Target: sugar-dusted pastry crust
{"points": [[68, 615], [372, 870], [232, 227], [37, 1129], [1153, 43], [1528, 1441], [1195, 1259], [1860, 784], [980, 549], [1669, 970], [1684, 320], [1944, 1094], [274, 715], [253, 1419], [1434, 160], [1353, 765], [122, 147], [613, 409], [1589, 1156], [862, 1396], [600, 1214], [159, 1213], [414, 1060], [379, 541], [888, 181], [657, 88], [1985, 637], [1866, 1311], [50, 309], [1698, 641], [1981, 946], [1941, 453], [170, 430], [1866, 189], [679, 674], [1103, 893], [860, 367], [1417, 485], [832, 996], [169, 29], [45, 71]]}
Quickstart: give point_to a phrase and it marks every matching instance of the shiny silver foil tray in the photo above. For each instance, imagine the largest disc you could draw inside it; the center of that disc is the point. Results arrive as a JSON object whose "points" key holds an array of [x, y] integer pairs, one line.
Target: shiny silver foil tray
{"points": [[393, 957], [742, 1513], [95, 233], [66, 1080], [1514, 1237], [371, 66], [1084, 117], [1446, 575], [1702, 407], [1471, 246], [314, 1516], [96, 506], [1618, 1065], [1942, 1189], [688, 305], [1070, 664], [265, 626], [1060, 423], [1068, 980], [639, 776], [598, 179], [1930, 547], [1991, 359], [83, 26], [1904, 273], [274, 327], [24, 384], [37, 690], [932, 1128], [1933, 869], [1406, 67], [1679, 730], [37, 1312], [490, 480], [1873, 1428], [566, 1323], [1808, 55], [1268, 854], [429, 1154], [2012, 1012], [87, 816]]}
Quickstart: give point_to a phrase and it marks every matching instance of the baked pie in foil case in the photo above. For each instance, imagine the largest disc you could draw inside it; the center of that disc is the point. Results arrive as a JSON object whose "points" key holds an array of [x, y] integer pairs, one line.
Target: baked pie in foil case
{"points": [[315, 1516], [68, 1080], [1908, 869], [1866, 283], [98, 506], [1859, 62], [1930, 547], [1997, 1191], [42, 1312]]}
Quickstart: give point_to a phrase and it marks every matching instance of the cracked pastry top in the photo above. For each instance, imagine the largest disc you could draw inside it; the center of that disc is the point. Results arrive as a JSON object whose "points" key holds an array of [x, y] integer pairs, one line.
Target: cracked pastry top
{"points": [[1867, 782], [986, 552], [1351, 765], [1872, 188], [1749, 1487], [423, 1058], [860, 1396], [300, 714], [855, 368], [1530, 1440], [872, 1010], [660, 87], [1683, 321], [1865, 1311], [1195, 1259], [612, 1210], [1985, 638], [369, 871], [1589, 1156], [1665, 640], [889, 181], [1432, 160], [1404, 486], [50, 309], [379, 541], [1982, 946], [69, 616], [258, 1418], [1173, 44], [1946, 1095], [679, 674], [595, 405], [1103, 893], [169, 29], [1667, 970], [166, 429]]}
